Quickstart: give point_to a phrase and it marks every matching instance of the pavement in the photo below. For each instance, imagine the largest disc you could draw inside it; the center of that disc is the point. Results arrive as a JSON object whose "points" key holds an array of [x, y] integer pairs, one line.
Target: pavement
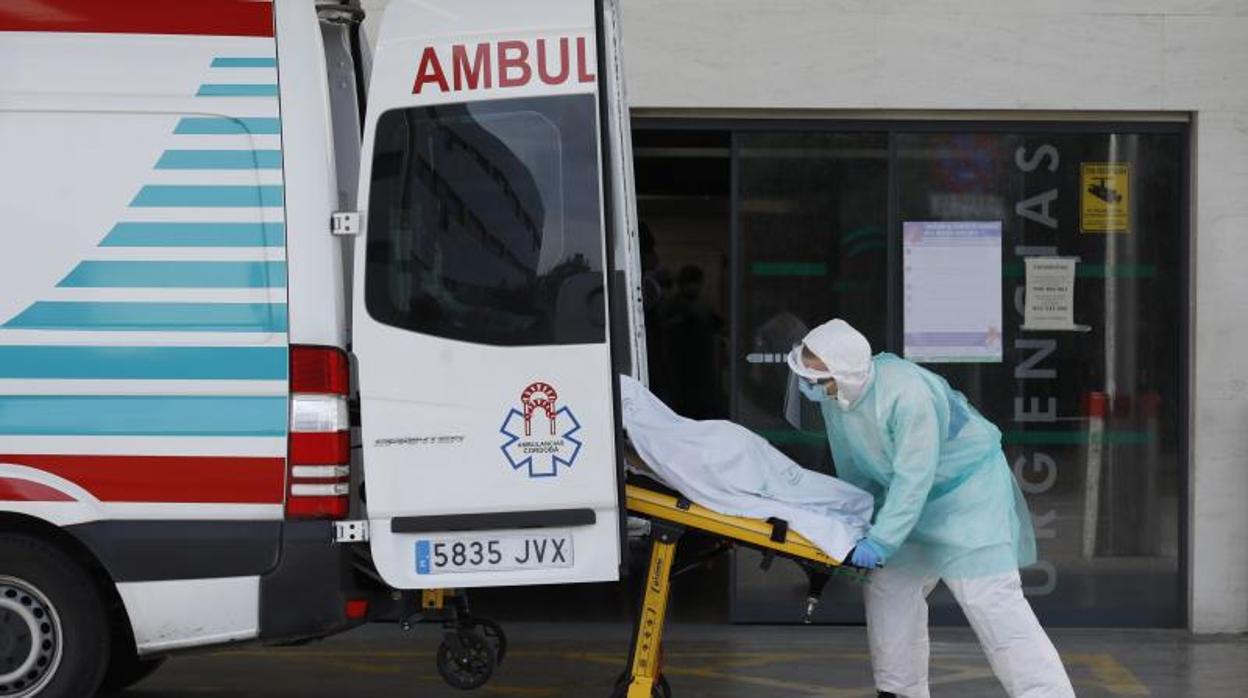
{"points": [[582, 660]]}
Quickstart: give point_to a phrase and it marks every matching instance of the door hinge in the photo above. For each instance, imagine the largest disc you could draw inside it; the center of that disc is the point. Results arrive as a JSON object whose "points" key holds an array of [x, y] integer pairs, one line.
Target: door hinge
{"points": [[345, 223], [351, 531]]}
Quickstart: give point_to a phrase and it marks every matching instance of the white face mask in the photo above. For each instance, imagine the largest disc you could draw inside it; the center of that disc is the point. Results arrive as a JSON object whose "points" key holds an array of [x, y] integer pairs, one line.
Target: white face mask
{"points": [[813, 391]]}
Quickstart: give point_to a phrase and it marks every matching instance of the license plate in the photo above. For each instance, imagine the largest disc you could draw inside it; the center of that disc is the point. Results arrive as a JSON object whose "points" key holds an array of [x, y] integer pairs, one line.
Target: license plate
{"points": [[494, 553]]}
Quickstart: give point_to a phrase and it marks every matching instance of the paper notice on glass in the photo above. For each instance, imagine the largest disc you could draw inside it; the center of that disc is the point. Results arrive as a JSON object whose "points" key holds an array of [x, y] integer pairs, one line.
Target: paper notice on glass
{"points": [[952, 291], [1050, 294]]}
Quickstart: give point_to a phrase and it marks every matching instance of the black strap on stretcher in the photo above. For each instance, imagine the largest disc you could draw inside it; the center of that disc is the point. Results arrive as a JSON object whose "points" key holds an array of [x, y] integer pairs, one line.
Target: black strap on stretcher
{"points": [[779, 533], [779, 530]]}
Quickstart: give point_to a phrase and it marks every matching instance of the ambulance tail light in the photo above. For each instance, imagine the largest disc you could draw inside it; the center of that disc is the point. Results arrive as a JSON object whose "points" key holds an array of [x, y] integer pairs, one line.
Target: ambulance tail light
{"points": [[319, 459]]}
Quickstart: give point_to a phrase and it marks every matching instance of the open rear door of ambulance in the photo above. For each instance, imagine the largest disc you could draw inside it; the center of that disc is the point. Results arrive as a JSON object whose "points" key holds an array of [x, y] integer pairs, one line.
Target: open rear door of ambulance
{"points": [[480, 320]]}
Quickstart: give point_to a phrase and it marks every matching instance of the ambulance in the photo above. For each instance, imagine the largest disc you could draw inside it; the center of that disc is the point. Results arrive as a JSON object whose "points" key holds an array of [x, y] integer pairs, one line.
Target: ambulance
{"points": [[281, 308]]}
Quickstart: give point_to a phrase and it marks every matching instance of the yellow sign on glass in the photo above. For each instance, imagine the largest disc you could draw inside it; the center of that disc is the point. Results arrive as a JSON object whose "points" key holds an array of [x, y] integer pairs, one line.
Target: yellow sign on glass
{"points": [[1105, 197]]}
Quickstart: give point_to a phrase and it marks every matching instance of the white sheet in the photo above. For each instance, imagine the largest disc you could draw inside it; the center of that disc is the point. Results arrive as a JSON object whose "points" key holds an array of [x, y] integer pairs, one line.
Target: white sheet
{"points": [[729, 469]]}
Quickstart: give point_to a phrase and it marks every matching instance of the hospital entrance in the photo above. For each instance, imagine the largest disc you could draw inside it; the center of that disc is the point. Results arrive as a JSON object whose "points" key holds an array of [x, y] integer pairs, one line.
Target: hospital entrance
{"points": [[755, 231]]}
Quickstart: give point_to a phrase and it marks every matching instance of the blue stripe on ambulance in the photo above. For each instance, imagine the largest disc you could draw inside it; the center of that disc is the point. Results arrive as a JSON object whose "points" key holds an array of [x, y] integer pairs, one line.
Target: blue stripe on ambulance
{"points": [[152, 317], [125, 274], [143, 363], [244, 62], [195, 234], [208, 196], [226, 126], [128, 415], [236, 90], [220, 160]]}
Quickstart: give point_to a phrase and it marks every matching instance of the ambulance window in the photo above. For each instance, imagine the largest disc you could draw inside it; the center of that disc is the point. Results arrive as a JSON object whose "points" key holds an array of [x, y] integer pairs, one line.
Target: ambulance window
{"points": [[484, 222]]}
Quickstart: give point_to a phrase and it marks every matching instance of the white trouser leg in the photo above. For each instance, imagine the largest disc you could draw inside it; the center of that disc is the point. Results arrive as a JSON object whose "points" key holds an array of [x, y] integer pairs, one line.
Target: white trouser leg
{"points": [[1021, 654], [897, 631]]}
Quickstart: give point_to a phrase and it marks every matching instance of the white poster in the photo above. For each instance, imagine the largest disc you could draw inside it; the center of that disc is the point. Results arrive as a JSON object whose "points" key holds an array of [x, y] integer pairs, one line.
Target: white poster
{"points": [[952, 275], [1050, 295]]}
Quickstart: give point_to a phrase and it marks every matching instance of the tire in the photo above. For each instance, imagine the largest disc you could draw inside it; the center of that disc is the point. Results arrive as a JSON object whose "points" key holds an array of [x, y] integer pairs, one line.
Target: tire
{"points": [[126, 669], [54, 633], [466, 660], [493, 632]]}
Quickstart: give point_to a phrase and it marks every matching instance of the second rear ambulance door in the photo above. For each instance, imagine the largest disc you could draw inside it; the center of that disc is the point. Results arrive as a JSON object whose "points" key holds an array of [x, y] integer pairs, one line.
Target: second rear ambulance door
{"points": [[479, 314]]}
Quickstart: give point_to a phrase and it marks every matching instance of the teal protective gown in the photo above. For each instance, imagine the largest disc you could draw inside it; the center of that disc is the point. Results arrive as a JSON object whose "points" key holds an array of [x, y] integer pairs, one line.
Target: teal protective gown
{"points": [[947, 503]]}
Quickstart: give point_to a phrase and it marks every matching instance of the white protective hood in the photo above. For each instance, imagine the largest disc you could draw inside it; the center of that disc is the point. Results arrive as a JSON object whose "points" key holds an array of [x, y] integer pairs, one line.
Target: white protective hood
{"points": [[729, 469], [845, 352]]}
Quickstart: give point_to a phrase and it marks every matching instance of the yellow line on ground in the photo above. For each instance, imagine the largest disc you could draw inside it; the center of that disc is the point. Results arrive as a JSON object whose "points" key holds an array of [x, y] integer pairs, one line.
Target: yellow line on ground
{"points": [[766, 682], [1106, 672], [958, 673], [742, 660], [1110, 674]]}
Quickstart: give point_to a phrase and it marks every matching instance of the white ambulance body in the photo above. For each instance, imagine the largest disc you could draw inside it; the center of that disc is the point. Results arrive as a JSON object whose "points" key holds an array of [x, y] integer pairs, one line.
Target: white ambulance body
{"points": [[177, 322]]}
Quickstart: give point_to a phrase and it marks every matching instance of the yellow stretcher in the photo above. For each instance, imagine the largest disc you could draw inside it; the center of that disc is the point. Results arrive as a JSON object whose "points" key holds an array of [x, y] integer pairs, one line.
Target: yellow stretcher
{"points": [[670, 515]]}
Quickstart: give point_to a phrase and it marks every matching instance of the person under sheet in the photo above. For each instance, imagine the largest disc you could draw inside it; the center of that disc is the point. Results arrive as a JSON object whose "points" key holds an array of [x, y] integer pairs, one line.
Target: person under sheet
{"points": [[729, 469]]}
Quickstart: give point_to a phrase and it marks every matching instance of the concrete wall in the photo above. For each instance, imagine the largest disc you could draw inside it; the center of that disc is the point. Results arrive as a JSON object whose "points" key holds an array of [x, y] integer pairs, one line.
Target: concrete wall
{"points": [[1138, 55], [1142, 55]]}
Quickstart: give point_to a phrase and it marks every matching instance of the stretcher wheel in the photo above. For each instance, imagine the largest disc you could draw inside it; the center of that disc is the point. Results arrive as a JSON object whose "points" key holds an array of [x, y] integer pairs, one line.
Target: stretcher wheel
{"points": [[466, 659], [493, 632]]}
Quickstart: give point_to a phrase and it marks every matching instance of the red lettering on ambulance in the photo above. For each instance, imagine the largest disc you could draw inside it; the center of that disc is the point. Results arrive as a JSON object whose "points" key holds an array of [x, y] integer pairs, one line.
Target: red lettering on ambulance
{"points": [[582, 57], [430, 70], [477, 66], [564, 65], [472, 74], [520, 62]]}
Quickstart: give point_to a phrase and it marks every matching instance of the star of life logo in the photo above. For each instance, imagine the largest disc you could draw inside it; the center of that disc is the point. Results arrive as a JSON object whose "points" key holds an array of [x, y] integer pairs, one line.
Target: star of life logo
{"points": [[541, 434]]}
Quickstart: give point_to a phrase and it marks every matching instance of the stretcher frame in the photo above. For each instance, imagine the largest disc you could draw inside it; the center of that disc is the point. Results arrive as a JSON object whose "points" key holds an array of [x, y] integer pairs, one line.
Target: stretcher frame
{"points": [[670, 516]]}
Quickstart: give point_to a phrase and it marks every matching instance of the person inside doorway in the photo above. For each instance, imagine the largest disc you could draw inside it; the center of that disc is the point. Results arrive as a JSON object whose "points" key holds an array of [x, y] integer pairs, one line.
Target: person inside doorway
{"points": [[947, 509], [691, 329]]}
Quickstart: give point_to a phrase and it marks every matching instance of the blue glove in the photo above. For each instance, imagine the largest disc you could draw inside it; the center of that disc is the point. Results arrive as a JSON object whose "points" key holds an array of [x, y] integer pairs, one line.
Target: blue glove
{"points": [[866, 555]]}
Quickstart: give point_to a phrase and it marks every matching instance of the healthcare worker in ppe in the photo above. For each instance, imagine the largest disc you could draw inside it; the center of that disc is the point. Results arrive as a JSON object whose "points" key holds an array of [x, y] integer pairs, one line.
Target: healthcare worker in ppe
{"points": [[947, 508]]}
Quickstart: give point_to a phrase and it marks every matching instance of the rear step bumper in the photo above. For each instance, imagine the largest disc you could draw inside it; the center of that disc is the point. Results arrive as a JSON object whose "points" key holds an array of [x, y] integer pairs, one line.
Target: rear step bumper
{"points": [[305, 596]]}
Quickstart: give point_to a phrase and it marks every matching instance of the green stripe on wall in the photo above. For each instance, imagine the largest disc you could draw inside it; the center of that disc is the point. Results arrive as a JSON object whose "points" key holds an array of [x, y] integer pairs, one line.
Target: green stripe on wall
{"points": [[789, 269], [867, 231]]}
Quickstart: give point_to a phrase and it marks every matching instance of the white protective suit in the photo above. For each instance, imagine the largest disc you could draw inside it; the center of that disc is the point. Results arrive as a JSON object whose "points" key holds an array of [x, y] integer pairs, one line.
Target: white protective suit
{"points": [[948, 508], [1019, 652], [729, 469]]}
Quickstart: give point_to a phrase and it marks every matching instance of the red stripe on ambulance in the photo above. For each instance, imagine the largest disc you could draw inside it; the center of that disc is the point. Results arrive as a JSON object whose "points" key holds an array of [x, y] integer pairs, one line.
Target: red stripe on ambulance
{"points": [[181, 479], [17, 490], [506, 64], [200, 17]]}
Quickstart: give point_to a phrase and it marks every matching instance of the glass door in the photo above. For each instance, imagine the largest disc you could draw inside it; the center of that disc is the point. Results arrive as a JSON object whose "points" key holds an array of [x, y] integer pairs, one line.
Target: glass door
{"points": [[811, 244]]}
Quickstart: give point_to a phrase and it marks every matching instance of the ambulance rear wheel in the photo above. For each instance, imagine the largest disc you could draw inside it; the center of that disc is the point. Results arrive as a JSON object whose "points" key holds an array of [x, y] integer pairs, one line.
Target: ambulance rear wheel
{"points": [[466, 659], [54, 634]]}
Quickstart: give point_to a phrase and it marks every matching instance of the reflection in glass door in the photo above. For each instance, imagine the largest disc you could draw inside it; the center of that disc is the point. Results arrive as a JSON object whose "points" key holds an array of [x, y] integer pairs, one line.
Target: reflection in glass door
{"points": [[812, 214], [800, 222], [1092, 415]]}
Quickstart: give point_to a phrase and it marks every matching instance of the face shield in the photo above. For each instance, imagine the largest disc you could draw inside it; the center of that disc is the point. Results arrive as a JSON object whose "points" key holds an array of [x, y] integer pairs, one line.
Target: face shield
{"points": [[800, 412]]}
